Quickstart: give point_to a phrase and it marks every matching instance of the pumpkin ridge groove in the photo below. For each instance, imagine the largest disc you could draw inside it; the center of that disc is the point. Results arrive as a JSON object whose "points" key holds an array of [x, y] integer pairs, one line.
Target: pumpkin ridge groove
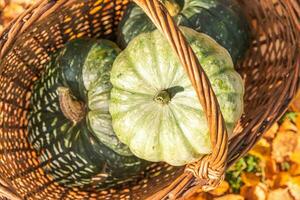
{"points": [[159, 138], [118, 114], [154, 50], [189, 107], [142, 117], [150, 86], [138, 93], [182, 132]]}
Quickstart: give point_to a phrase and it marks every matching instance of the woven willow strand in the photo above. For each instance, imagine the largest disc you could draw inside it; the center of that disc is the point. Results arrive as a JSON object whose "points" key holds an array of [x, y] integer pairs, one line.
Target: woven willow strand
{"points": [[7, 190]]}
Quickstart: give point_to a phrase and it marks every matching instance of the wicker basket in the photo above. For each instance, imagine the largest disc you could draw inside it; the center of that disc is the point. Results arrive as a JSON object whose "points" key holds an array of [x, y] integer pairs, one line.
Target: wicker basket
{"points": [[270, 71]]}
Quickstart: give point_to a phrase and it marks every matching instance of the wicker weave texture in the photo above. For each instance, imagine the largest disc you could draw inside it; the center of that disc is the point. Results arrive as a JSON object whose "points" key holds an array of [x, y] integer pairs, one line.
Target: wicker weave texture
{"points": [[270, 71]]}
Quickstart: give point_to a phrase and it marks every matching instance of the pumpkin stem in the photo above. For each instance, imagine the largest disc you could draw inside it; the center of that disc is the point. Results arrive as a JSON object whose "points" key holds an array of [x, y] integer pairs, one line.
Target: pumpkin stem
{"points": [[72, 109], [162, 97], [172, 6]]}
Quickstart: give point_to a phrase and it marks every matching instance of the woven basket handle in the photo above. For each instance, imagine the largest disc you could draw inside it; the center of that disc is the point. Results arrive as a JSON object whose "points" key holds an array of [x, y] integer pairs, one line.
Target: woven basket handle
{"points": [[210, 169]]}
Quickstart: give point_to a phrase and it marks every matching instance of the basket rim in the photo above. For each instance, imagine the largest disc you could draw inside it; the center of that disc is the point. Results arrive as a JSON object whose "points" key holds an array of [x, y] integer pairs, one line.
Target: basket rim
{"points": [[164, 22]]}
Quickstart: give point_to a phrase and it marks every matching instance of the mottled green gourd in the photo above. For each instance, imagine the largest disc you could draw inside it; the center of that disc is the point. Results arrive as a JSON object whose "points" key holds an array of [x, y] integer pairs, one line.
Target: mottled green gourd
{"points": [[221, 19], [155, 109], [69, 121]]}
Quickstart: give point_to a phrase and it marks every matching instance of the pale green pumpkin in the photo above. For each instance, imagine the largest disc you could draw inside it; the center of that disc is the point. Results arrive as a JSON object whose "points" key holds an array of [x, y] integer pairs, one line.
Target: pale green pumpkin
{"points": [[155, 109]]}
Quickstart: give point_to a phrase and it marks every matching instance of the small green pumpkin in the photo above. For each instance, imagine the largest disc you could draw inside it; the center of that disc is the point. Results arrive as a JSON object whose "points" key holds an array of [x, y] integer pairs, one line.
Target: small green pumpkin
{"points": [[69, 121], [154, 107], [220, 19]]}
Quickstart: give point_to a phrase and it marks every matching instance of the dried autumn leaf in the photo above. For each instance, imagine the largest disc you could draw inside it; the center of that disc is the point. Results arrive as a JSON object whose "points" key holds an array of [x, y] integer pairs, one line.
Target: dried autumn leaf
{"points": [[245, 191], [230, 197], [295, 105], [271, 133], [270, 183], [11, 11], [298, 122], [270, 168], [221, 189], [22, 2], [282, 179], [296, 180], [280, 194], [261, 150], [200, 196], [250, 179], [298, 143], [295, 169], [284, 145], [257, 192], [287, 125], [294, 190], [2, 4], [295, 157], [261, 191]]}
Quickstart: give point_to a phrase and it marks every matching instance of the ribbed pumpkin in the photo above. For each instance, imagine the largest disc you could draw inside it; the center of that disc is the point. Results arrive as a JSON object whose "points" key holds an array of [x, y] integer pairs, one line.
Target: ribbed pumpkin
{"points": [[220, 19], [69, 121], [155, 109]]}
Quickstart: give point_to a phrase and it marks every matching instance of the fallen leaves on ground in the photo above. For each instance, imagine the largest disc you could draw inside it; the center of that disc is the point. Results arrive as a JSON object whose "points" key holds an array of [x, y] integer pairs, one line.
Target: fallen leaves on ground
{"points": [[9, 9], [284, 145], [280, 194], [295, 105], [230, 197], [271, 170], [222, 189], [257, 191]]}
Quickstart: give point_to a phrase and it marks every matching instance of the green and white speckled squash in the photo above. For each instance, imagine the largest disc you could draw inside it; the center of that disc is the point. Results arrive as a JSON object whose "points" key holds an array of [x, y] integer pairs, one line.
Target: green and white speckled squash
{"points": [[154, 107], [70, 124], [220, 19]]}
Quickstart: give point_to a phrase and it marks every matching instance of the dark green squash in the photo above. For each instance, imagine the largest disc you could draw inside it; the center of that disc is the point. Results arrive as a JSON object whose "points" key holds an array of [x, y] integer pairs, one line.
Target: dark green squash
{"points": [[220, 19], [69, 121]]}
